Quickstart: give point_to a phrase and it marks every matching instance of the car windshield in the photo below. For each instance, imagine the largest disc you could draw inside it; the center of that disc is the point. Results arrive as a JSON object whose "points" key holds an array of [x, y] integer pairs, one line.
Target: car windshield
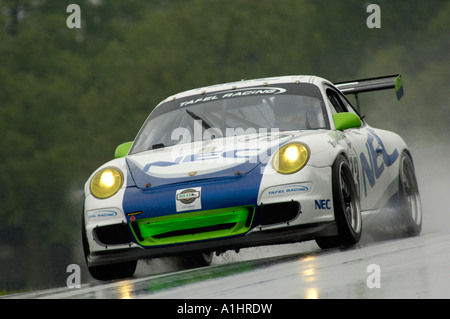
{"points": [[235, 112]]}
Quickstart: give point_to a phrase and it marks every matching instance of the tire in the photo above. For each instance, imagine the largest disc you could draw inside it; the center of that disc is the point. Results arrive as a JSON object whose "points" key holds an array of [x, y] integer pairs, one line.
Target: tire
{"points": [[113, 271], [106, 272], [197, 260], [410, 207], [346, 205]]}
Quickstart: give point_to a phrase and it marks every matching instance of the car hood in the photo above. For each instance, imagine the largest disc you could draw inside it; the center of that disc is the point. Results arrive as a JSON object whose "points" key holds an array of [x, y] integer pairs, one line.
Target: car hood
{"points": [[228, 157]]}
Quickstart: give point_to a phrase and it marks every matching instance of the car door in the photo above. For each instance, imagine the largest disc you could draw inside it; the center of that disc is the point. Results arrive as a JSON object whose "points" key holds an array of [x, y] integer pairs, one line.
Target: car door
{"points": [[366, 152]]}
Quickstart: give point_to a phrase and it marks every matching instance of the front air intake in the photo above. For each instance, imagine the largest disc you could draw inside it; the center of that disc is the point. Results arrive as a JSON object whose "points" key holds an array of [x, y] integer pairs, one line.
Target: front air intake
{"points": [[189, 227], [278, 213], [112, 234]]}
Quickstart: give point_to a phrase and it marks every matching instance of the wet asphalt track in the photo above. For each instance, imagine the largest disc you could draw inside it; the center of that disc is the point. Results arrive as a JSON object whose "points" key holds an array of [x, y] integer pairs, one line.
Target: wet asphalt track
{"points": [[399, 268]]}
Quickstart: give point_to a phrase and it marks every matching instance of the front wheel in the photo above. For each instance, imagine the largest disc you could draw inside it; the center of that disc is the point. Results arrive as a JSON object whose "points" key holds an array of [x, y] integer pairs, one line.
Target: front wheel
{"points": [[113, 271], [347, 209], [197, 260], [106, 272]]}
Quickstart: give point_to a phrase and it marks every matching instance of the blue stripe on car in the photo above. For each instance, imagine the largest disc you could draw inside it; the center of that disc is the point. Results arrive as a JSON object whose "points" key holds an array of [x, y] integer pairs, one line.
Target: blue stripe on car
{"points": [[219, 189]]}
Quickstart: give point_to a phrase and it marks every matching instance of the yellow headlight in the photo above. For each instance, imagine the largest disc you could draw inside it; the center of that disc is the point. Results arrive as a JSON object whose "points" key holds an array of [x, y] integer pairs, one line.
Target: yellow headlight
{"points": [[291, 158], [106, 182]]}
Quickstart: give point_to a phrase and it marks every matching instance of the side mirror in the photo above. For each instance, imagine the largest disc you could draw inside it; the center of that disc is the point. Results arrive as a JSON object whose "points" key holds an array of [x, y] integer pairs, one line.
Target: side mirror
{"points": [[122, 150], [346, 120]]}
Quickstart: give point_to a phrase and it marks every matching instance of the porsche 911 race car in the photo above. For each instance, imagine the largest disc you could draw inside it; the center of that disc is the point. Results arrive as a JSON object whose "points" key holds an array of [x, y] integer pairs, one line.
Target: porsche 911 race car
{"points": [[255, 162]]}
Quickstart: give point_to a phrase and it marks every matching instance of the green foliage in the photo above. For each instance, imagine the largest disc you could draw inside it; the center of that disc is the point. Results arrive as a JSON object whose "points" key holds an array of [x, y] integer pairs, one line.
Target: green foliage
{"points": [[68, 97]]}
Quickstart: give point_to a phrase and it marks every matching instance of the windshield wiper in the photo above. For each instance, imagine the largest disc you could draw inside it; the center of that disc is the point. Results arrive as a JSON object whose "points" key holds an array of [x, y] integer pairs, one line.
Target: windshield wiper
{"points": [[196, 117], [205, 124], [159, 145]]}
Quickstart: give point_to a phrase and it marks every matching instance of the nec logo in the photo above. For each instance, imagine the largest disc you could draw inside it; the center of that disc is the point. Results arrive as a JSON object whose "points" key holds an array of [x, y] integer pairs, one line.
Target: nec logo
{"points": [[322, 204]]}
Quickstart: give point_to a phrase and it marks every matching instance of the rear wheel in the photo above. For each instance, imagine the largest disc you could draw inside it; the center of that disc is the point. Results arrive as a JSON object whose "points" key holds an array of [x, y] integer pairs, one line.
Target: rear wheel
{"points": [[410, 207], [346, 204]]}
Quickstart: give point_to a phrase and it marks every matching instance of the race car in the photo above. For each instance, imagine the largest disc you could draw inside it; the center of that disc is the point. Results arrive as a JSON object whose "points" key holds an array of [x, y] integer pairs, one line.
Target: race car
{"points": [[255, 162]]}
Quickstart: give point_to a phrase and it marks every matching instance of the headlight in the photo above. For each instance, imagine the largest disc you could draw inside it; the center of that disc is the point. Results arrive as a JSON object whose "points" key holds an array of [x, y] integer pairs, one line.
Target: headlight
{"points": [[291, 158], [106, 183]]}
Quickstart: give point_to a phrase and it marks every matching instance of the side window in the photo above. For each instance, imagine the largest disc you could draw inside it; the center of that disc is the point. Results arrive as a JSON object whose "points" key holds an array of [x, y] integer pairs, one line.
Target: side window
{"points": [[347, 104], [340, 103], [335, 100]]}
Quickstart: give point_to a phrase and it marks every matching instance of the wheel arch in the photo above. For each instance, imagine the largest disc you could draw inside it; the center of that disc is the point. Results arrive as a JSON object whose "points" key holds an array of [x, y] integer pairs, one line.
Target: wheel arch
{"points": [[409, 154]]}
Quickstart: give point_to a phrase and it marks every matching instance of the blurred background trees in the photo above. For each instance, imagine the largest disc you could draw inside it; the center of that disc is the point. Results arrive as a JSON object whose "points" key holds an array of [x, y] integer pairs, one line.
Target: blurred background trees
{"points": [[68, 97]]}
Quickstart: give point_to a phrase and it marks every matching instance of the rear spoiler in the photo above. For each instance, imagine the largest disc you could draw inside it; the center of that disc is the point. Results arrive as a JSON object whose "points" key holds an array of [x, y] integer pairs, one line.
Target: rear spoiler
{"points": [[373, 84]]}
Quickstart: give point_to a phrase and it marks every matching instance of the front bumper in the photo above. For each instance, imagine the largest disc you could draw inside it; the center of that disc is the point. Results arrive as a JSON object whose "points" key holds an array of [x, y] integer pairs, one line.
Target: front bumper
{"points": [[283, 235], [233, 215]]}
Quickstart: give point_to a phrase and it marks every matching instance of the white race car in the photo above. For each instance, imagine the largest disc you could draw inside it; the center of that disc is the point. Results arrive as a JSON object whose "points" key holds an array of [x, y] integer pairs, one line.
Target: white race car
{"points": [[255, 162]]}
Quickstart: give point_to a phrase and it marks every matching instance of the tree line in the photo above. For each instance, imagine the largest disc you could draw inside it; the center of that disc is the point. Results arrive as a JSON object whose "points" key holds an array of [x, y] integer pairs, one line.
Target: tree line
{"points": [[69, 96]]}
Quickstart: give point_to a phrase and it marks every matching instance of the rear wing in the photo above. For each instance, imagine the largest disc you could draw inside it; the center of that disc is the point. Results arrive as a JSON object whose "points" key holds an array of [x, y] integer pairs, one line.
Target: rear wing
{"points": [[373, 84]]}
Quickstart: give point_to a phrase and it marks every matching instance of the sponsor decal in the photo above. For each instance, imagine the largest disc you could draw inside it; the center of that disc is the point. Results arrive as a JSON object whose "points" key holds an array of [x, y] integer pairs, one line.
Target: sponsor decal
{"points": [[219, 156], [287, 190], [322, 204], [235, 93], [251, 148], [188, 199], [272, 136], [104, 214], [371, 168]]}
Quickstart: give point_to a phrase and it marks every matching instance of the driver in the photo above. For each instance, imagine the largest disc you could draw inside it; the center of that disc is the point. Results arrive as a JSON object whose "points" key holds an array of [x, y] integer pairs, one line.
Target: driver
{"points": [[288, 113]]}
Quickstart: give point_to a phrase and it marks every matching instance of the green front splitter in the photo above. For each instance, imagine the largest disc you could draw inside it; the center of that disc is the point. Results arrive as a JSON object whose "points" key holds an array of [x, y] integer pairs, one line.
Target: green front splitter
{"points": [[188, 227]]}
